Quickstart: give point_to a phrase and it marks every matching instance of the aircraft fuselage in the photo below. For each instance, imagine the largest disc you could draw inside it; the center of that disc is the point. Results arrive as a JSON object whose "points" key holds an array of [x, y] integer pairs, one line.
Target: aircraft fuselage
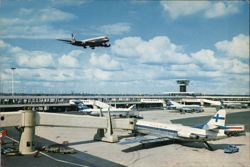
{"points": [[178, 132]]}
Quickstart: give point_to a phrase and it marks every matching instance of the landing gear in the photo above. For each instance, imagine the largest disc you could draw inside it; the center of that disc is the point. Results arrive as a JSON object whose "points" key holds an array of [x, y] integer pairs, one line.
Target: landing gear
{"points": [[208, 146]]}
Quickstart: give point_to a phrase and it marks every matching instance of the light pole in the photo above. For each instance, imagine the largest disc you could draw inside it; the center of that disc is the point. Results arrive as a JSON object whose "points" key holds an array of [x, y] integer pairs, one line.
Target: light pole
{"points": [[12, 88]]}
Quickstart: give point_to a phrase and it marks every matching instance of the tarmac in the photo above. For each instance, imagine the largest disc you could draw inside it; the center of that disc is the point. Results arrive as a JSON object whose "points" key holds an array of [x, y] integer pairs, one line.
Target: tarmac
{"points": [[96, 153]]}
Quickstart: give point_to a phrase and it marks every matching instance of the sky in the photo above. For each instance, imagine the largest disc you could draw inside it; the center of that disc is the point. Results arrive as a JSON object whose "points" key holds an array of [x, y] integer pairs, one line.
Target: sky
{"points": [[153, 43]]}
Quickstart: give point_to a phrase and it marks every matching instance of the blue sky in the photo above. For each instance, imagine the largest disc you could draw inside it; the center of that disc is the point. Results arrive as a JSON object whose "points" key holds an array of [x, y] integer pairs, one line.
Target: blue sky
{"points": [[153, 43]]}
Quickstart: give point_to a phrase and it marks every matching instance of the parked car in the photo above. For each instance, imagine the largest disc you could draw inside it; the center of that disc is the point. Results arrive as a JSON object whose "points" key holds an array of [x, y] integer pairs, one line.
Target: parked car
{"points": [[231, 148]]}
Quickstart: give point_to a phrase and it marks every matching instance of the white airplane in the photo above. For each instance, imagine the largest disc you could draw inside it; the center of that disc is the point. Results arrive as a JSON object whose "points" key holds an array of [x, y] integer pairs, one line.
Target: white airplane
{"points": [[183, 108], [234, 105], [155, 132], [119, 112], [101, 41]]}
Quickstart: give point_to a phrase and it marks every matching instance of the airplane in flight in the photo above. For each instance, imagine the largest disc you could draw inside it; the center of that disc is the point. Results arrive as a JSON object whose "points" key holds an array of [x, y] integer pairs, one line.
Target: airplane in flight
{"points": [[183, 108], [155, 132], [101, 41]]}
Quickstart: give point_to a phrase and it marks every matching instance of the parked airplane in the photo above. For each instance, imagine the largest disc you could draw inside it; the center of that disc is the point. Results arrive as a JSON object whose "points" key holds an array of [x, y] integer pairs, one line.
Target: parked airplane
{"points": [[183, 108], [118, 112], [101, 41], [82, 108], [234, 105], [154, 132]]}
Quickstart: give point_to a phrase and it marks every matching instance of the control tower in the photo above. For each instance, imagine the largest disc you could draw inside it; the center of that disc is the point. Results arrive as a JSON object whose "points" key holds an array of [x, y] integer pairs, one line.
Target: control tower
{"points": [[183, 84]]}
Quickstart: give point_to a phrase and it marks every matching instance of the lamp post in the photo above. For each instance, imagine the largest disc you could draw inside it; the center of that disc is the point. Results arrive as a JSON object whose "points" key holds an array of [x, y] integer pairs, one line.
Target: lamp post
{"points": [[12, 88]]}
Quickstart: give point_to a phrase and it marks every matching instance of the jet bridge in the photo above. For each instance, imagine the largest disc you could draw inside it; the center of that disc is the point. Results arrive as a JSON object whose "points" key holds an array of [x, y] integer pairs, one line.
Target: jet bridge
{"points": [[27, 120]]}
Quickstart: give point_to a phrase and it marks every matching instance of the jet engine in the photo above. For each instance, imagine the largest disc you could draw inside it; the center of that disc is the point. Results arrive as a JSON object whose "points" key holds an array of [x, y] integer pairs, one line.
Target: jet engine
{"points": [[187, 135]]}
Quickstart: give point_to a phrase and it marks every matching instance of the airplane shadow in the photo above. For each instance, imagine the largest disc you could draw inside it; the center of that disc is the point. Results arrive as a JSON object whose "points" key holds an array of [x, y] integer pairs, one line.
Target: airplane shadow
{"points": [[125, 136], [42, 158], [81, 142], [192, 145], [147, 146]]}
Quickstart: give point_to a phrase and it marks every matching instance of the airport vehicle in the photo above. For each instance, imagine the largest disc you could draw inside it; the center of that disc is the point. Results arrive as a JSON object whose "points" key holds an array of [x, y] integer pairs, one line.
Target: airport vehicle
{"points": [[183, 108], [9, 151], [2, 134], [154, 132], [235, 130], [101, 41], [59, 148], [231, 148]]}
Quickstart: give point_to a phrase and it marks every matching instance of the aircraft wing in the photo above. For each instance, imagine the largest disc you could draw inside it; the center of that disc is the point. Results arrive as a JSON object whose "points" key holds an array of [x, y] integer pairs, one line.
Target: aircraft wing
{"points": [[142, 139], [187, 108], [65, 40]]}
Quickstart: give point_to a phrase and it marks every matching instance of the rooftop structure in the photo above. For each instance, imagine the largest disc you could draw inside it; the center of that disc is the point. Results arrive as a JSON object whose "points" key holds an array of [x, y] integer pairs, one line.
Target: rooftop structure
{"points": [[183, 84]]}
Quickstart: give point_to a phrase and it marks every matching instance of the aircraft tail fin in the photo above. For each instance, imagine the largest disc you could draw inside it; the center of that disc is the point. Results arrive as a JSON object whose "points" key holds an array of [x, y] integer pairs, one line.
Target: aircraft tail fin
{"points": [[131, 107], [217, 121], [172, 103], [73, 39], [168, 103]]}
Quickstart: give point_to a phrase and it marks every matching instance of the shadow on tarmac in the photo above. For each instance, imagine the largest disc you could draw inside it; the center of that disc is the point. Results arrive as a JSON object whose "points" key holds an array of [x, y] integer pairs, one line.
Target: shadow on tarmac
{"points": [[82, 142], [81, 158], [192, 145], [148, 146]]}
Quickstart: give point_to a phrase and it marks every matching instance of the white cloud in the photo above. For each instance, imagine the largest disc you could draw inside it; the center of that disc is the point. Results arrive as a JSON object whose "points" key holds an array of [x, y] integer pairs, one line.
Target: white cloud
{"points": [[98, 75], [206, 58], [158, 50], [34, 24], [25, 58], [184, 67], [117, 68], [34, 32], [235, 66], [25, 11], [68, 61], [35, 17], [209, 9], [104, 62], [183, 8], [221, 8], [69, 2], [237, 47], [115, 29], [44, 74], [12, 21], [53, 15], [34, 59], [125, 46], [3, 44]]}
